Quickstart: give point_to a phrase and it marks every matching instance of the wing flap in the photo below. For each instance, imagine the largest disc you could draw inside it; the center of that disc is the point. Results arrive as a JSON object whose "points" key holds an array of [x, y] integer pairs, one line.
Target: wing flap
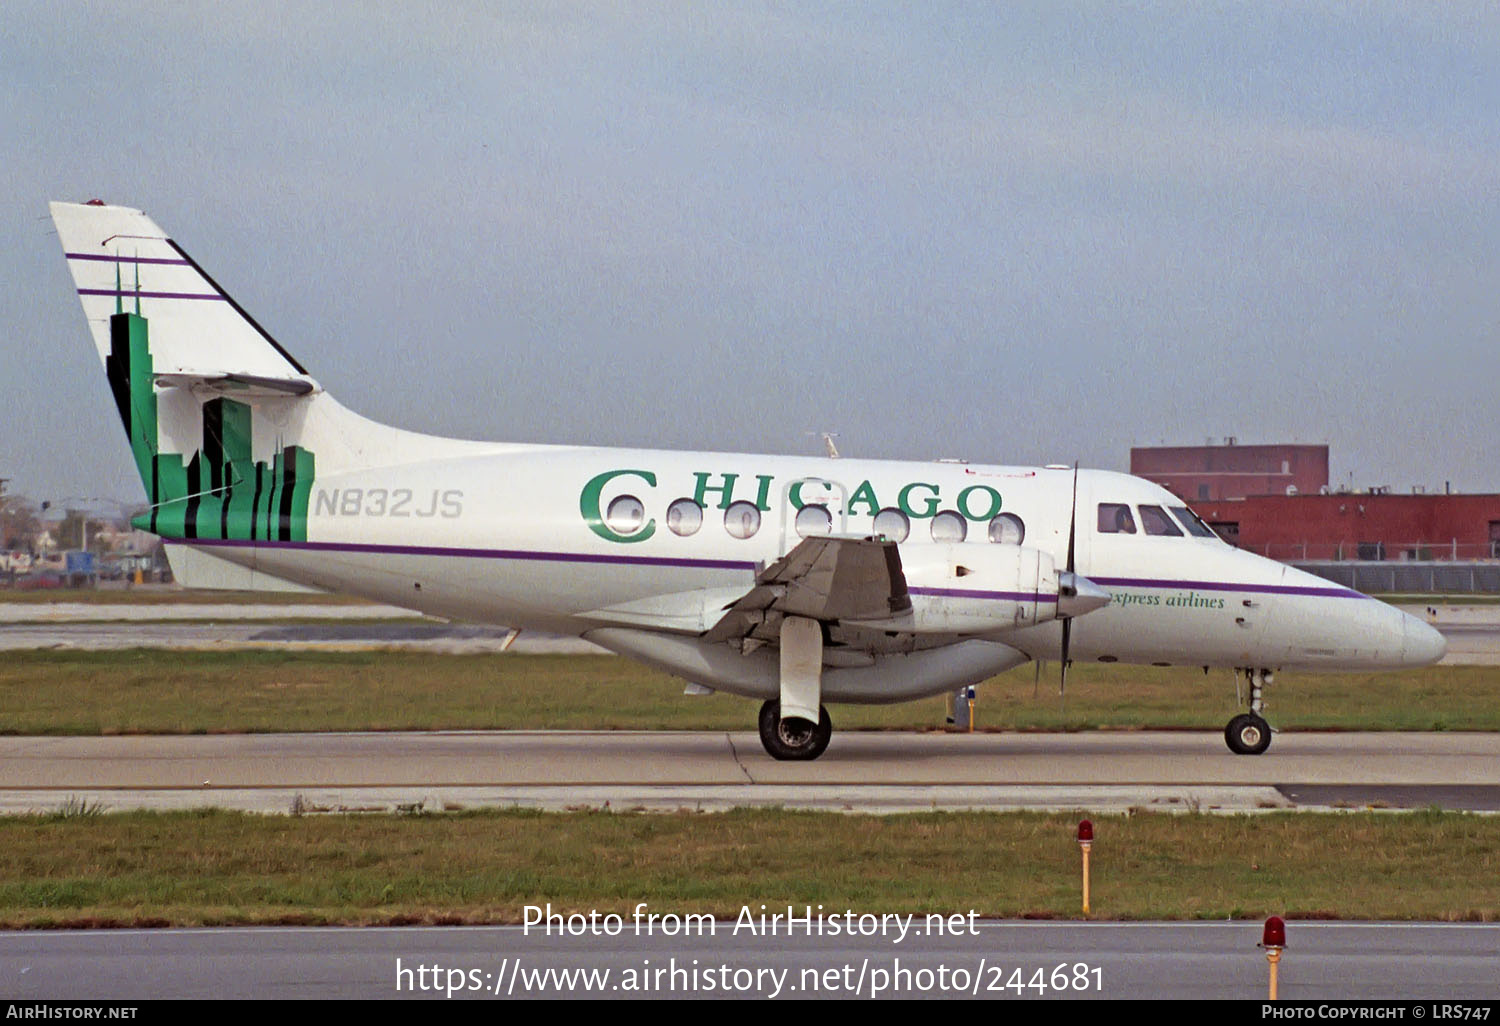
{"points": [[825, 578]]}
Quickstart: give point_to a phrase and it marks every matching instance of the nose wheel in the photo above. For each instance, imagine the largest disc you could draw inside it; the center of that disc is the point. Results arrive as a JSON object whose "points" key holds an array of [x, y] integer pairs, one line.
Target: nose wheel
{"points": [[1249, 733], [793, 739]]}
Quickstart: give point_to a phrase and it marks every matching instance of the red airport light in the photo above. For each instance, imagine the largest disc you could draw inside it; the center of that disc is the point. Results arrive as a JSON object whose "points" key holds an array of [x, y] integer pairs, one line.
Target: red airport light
{"points": [[1085, 832], [1273, 940]]}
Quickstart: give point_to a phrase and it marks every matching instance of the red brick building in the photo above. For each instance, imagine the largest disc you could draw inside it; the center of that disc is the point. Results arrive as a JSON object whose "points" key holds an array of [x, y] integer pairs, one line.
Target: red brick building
{"points": [[1272, 499], [1202, 473], [1360, 525]]}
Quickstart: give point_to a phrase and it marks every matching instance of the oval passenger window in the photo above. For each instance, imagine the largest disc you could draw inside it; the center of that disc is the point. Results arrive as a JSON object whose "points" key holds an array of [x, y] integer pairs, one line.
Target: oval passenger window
{"points": [[892, 524], [813, 520], [625, 514], [684, 517], [742, 519], [1007, 529], [949, 526]]}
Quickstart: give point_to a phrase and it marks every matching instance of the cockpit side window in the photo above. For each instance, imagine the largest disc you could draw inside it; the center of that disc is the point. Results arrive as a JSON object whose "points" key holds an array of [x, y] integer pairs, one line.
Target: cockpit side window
{"points": [[1195, 527], [1115, 518], [1155, 520]]}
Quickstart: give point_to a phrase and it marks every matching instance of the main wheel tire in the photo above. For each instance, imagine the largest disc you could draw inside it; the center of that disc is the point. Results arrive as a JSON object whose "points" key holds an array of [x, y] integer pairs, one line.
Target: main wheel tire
{"points": [[794, 739], [1247, 734]]}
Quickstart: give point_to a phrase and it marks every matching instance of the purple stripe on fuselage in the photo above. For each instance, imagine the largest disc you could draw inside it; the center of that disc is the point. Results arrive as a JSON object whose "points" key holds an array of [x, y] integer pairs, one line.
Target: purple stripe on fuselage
{"points": [[127, 259], [1265, 589], [127, 294], [437, 550], [1007, 596]]}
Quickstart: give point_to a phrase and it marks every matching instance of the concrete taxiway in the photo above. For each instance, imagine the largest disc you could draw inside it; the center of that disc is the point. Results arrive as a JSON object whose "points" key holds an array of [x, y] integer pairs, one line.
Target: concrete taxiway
{"points": [[862, 771], [882, 772]]}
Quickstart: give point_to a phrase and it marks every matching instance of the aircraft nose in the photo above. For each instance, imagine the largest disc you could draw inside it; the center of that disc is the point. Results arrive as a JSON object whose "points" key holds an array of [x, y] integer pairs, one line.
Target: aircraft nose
{"points": [[1423, 645]]}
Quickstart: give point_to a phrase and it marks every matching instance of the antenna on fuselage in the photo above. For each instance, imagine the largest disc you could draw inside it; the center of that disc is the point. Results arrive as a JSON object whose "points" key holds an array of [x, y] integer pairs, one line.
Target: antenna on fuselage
{"points": [[828, 437]]}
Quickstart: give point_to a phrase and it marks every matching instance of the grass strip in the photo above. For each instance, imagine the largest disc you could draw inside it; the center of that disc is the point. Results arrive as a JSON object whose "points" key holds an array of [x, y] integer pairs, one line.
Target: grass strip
{"points": [[209, 868], [174, 691]]}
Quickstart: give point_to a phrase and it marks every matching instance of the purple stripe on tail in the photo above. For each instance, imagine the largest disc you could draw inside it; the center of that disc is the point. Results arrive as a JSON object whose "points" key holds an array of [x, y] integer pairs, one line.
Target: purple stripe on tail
{"points": [[128, 294], [127, 259]]}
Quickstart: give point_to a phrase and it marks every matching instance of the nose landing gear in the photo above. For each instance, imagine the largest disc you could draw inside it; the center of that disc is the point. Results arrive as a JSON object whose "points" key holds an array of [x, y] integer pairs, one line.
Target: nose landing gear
{"points": [[1249, 733]]}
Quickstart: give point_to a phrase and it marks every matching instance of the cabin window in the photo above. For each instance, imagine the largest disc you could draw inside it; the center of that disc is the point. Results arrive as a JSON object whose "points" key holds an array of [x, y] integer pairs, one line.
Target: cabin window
{"points": [[949, 526], [1155, 521], [892, 524], [1115, 518], [1195, 527], [813, 520], [1007, 529], [625, 514], [742, 519], [684, 517]]}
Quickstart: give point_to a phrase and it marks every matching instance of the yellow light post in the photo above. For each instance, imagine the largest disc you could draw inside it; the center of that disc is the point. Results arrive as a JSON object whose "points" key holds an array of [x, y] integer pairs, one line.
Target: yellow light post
{"points": [[1085, 842]]}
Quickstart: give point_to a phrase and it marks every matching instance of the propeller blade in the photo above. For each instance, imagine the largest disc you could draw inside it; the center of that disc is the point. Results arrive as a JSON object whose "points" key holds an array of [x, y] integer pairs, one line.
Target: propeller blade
{"points": [[1067, 637], [1073, 517], [1067, 621]]}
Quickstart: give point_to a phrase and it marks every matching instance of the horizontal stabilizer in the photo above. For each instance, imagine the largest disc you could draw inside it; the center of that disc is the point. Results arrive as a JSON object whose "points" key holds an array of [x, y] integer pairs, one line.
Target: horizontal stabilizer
{"points": [[247, 386]]}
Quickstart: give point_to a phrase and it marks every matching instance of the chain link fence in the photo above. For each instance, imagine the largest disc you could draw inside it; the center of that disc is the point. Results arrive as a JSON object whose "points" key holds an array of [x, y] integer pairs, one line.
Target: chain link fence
{"points": [[1408, 577]]}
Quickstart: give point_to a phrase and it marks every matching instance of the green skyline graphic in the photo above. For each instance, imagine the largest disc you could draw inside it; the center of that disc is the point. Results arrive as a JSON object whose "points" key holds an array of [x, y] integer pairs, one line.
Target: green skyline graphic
{"points": [[221, 492]]}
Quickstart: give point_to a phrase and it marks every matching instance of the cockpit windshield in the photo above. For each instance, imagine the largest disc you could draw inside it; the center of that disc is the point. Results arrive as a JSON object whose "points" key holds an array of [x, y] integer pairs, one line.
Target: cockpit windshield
{"points": [[1155, 520], [1195, 527], [1119, 518]]}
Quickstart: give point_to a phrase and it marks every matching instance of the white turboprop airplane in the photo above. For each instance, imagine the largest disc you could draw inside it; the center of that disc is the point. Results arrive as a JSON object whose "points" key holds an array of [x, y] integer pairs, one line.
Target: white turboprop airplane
{"points": [[796, 581]]}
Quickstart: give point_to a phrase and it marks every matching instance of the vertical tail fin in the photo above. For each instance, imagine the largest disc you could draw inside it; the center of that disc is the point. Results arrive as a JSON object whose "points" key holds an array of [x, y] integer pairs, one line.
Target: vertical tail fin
{"points": [[185, 364], [226, 428]]}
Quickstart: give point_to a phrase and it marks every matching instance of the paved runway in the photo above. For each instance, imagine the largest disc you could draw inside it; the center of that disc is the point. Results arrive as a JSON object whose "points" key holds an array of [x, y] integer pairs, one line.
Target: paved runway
{"points": [[1005, 960], [862, 771]]}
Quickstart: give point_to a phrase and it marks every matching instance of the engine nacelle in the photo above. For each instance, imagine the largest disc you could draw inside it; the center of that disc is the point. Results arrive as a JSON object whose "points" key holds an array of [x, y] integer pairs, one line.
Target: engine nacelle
{"points": [[972, 589]]}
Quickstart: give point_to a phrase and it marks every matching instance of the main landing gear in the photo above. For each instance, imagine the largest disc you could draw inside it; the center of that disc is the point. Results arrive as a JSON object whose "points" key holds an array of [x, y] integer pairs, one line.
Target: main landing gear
{"points": [[786, 723], [1249, 733], [793, 739]]}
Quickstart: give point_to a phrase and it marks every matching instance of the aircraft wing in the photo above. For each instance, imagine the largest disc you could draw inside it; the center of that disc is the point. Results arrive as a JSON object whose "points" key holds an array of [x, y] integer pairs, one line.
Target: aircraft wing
{"points": [[825, 579]]}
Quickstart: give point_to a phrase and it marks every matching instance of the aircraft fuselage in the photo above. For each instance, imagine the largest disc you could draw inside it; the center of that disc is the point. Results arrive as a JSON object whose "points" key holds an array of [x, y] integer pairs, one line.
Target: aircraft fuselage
{"points": [[525, 537]]}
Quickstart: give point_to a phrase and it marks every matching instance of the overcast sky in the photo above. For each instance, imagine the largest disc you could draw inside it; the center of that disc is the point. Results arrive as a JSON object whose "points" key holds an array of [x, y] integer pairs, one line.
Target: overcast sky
{"points": [[1010, 232]]}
